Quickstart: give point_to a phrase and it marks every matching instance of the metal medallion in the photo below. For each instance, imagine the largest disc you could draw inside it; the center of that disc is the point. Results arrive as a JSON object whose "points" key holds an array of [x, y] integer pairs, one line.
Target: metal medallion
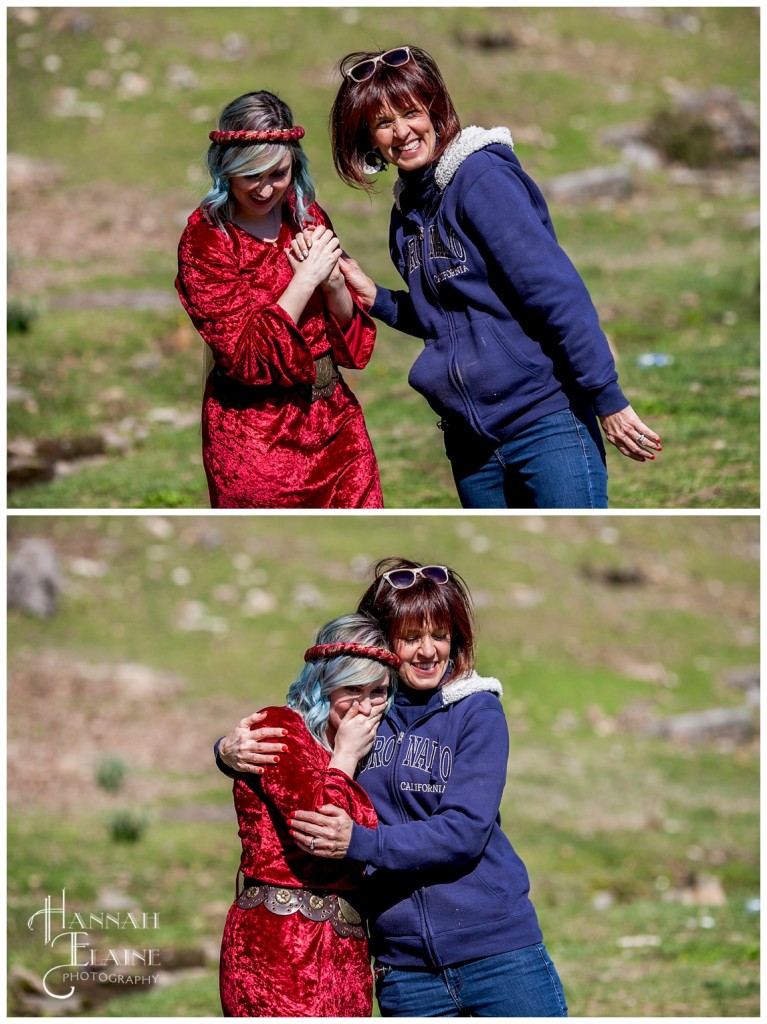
{"points": [[323, 370], [347, 911]]}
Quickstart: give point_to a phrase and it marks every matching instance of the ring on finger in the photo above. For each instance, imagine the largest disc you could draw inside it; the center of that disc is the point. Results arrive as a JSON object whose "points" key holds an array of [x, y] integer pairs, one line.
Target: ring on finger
{"points": [[304, 253], [311, 843], [640, 439]]}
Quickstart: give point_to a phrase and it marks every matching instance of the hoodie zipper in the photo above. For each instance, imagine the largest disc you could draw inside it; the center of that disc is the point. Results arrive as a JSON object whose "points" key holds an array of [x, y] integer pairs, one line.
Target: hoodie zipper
{"points": [[453, 372], [418, 894]]}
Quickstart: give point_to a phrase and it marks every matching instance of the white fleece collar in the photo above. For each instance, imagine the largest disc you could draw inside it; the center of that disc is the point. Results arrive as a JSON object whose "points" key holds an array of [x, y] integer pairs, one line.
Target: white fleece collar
{"points": [[468, 141], [460, 688]]}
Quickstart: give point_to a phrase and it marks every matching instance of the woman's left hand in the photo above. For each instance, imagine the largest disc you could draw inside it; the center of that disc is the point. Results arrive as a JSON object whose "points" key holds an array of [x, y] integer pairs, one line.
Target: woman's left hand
{"points": [[326, 832], [300, 247], [630, 435]]}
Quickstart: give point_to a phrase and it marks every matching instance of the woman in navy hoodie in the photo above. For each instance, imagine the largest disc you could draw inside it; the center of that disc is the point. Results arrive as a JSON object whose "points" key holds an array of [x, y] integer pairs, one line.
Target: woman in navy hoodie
{"points": [[514, 360], [452, 928]]}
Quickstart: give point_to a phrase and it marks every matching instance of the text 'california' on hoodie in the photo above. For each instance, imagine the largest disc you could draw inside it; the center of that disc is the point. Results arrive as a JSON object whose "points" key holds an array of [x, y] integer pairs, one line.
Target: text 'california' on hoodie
{"points": [[444, 883]]}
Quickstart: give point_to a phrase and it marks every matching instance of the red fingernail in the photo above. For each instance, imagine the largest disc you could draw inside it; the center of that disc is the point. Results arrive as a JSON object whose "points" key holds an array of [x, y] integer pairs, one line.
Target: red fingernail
{"points": [[292, 832], [284, 749], [276, 759], [284, 732]]}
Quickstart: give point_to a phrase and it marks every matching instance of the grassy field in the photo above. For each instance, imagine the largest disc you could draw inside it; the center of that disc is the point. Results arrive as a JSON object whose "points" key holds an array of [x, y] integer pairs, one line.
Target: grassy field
{"points": [[114, 105], [171, 628]]}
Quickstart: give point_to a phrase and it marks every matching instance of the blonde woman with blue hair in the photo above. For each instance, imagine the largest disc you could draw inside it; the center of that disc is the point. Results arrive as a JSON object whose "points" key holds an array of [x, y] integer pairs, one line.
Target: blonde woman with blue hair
{"points": [[259, 275], [295, 943]]}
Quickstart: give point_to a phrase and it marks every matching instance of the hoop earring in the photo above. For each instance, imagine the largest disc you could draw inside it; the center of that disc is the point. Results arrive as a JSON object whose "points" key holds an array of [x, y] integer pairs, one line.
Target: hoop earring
{"points": [[374, 163]]}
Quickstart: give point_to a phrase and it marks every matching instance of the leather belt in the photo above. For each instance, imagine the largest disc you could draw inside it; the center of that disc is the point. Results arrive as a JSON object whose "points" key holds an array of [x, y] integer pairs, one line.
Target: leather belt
{"points": [[239, 395], [317, 906]]}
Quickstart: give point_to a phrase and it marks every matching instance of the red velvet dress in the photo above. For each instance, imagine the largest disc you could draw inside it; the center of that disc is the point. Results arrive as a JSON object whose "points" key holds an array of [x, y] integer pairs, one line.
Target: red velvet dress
{"points": [[264, 443], [274, 966]]}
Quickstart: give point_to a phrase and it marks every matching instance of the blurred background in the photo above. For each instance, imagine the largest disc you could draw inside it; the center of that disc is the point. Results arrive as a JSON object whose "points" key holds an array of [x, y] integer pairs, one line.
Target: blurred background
{"points": [[628, 651], [641, 124]]}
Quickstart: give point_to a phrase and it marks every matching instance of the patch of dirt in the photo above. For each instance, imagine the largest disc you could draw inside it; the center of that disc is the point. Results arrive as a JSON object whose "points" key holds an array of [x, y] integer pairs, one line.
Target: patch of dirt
{"points": [[60, 238], [65, 716]]}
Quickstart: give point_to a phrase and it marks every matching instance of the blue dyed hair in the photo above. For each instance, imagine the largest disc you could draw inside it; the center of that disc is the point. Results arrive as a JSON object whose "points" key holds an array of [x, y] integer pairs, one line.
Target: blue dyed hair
{"points": [[310, 694], [255, 110]]}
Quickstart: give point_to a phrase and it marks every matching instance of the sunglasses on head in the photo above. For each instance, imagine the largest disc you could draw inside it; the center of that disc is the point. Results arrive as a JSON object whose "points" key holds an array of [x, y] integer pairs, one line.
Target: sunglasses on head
{"points": [[366, 68], [401, 579]]}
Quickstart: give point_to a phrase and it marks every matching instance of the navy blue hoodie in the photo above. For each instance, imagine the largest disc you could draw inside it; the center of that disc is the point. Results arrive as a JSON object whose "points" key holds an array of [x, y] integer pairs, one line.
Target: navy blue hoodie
{"points": [[445, 884], [510, 331]]}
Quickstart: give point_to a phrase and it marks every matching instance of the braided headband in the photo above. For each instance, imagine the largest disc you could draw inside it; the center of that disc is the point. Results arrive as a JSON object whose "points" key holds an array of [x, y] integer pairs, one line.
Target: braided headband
{"points": [[260, 135], [356, 650]]}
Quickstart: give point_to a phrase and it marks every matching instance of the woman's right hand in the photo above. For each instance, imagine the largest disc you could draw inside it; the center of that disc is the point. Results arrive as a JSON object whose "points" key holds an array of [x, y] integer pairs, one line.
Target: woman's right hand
{"points": [[362, 285], [314, 255], [357, 730], [246, 748]]}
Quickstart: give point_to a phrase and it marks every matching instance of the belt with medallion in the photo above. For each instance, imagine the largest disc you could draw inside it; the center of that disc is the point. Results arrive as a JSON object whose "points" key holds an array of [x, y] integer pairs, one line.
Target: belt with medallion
{"points": [[326, 377], [316, 905]]}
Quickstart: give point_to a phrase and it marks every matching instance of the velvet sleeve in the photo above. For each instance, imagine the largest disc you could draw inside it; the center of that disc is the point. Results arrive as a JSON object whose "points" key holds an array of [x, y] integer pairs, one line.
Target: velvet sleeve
{"points": [[352, 346], [303, 779], [458, 831], [524, 256], [232, 303]]}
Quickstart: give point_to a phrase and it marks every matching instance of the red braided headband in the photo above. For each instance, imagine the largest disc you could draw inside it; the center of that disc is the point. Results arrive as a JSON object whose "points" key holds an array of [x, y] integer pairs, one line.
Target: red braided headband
{"points": [[260, 135], [356, 650]]}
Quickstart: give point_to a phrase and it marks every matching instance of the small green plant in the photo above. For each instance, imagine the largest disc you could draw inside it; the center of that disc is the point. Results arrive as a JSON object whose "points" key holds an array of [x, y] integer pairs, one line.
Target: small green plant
{"points": [[110, 774], [20, 316], [127, 826], [685, 138], [165, 499]]}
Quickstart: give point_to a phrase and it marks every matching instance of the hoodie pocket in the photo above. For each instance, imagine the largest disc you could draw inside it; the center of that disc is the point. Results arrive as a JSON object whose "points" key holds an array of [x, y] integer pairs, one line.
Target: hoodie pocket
{"points": [[465, 904], [487, 373]]}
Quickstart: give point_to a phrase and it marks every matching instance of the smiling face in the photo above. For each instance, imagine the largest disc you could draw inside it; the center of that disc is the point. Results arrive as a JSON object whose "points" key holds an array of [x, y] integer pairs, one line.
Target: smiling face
{"points": [[257, 195], [405, 136], [372, 699], [425, 654]]}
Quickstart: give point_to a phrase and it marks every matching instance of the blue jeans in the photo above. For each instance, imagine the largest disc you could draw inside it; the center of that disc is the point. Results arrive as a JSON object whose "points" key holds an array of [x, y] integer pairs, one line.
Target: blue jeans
{"points": [[523, 983], [556, 462]]}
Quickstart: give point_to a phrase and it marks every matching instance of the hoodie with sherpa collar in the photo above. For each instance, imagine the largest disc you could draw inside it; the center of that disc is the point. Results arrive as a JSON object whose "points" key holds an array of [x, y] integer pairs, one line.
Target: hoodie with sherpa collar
{"points": [[444, 883], [510, 332]]}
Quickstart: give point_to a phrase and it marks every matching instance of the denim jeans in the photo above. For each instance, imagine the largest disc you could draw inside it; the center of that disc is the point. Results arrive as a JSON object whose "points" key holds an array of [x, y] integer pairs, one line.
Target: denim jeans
{"points": [[556, 462], [523, 983]]}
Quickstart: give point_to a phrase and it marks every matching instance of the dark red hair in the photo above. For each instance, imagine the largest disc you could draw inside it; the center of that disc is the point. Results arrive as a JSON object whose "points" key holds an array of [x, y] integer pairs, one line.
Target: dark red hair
{"points": [[446, 606], [357, 104]]}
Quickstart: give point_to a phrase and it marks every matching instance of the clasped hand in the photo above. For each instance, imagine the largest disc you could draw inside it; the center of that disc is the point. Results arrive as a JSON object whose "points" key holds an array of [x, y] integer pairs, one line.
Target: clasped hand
{"points": [[314, 254]]}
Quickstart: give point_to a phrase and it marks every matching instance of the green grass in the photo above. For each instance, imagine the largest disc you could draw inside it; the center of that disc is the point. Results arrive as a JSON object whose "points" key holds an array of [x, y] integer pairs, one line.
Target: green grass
{"points": [[592, 805], [672, 269]]}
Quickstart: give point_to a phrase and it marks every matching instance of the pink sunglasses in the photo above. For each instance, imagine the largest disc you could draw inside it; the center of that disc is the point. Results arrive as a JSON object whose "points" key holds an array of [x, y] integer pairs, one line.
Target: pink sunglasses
{"points": [[366, 68]]}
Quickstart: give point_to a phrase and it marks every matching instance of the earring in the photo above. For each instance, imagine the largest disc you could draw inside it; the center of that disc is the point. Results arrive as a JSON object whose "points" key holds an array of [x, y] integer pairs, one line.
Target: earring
{"points": [[373, 163]]}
